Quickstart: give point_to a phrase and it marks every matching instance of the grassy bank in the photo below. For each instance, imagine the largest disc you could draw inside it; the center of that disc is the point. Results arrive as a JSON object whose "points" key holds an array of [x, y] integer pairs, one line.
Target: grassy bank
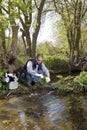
{"points": [[64, 85]]}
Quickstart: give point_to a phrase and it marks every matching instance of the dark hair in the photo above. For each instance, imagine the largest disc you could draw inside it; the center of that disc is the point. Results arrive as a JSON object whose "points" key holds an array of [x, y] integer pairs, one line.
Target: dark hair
{"points": [[39, 55]]}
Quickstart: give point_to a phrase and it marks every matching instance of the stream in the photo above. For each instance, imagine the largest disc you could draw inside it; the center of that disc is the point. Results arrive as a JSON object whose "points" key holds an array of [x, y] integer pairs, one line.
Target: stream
{"points": [[43, 111]]}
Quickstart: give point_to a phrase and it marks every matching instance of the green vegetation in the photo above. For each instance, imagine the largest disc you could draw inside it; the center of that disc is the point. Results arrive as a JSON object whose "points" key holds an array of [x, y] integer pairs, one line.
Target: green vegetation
{"points": [[82, 79], [69, 84], [54, 57], [70, 49], [56, 63], [3, 86]]}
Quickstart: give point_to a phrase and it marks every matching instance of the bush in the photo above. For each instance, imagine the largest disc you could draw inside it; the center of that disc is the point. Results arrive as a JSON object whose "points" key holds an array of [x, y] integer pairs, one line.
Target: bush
{"points": [[82, 78], [57, 63]]}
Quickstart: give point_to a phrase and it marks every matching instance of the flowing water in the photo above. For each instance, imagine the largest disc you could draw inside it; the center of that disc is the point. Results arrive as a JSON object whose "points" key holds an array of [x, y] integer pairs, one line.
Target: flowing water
{"points": [[43, 111]]}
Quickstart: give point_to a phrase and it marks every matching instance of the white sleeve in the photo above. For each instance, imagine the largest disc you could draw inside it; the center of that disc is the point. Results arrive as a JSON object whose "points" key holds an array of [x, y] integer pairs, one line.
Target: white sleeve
{"points": [[30, 68], [46, 71]]}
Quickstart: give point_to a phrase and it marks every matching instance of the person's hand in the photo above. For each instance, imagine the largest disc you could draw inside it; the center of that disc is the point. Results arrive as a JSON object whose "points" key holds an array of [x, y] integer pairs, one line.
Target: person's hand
{"points": [[47, 80], [39, 75]]}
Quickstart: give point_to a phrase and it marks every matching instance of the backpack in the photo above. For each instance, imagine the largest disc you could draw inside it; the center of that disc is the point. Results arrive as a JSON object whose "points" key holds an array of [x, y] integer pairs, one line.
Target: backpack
{"points": [[23, 71]]}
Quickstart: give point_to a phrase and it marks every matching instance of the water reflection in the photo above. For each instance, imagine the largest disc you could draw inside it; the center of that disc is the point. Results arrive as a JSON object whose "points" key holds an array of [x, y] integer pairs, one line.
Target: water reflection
{"points": [[53, 108], [77, 112], [44, 112], [15, 106], [23, 119]]}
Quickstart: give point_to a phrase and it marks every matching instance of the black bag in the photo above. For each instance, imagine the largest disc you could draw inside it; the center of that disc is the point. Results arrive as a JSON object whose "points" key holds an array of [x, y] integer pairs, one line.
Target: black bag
{"points": [[24, 71]]}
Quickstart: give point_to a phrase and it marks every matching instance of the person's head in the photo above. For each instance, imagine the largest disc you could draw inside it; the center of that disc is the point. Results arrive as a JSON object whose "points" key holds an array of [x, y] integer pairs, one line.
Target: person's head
{"points": [[39, 58]]}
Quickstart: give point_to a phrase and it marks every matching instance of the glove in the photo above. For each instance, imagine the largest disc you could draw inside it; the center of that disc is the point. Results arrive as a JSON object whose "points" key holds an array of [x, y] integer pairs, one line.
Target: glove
{"points": [[47, 79], [39, 75]]}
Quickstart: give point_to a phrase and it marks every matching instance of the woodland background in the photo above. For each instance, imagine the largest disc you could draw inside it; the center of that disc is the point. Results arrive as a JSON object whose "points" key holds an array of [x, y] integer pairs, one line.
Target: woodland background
{"points": [[25, 17]]}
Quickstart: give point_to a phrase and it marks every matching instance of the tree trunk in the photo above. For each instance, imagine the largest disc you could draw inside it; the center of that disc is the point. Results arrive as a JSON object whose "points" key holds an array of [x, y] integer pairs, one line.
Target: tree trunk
{"points": [[15, 40], [35, 34], [14, 45], [74, 34], [74, 44], [28, 40], [26, 24], [3, 50]]}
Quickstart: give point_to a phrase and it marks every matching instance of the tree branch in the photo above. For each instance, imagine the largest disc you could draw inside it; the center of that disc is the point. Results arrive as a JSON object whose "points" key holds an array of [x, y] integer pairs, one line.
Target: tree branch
{"points": [[36, 4], [68, 12], [55, 5], [4, 9], [84, 13]]}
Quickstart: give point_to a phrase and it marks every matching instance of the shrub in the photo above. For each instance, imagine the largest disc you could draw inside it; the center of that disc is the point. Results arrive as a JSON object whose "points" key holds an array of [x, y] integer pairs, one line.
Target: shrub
{"points": [[82, 78], [57, 63]]}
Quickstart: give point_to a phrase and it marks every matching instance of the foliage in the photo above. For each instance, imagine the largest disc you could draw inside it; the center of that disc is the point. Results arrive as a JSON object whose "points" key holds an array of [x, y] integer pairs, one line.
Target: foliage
{"points": [[3, 86], [57, 63], [67, 84], [54, 57], [3, 22], [82, 78], [48, 48]]}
